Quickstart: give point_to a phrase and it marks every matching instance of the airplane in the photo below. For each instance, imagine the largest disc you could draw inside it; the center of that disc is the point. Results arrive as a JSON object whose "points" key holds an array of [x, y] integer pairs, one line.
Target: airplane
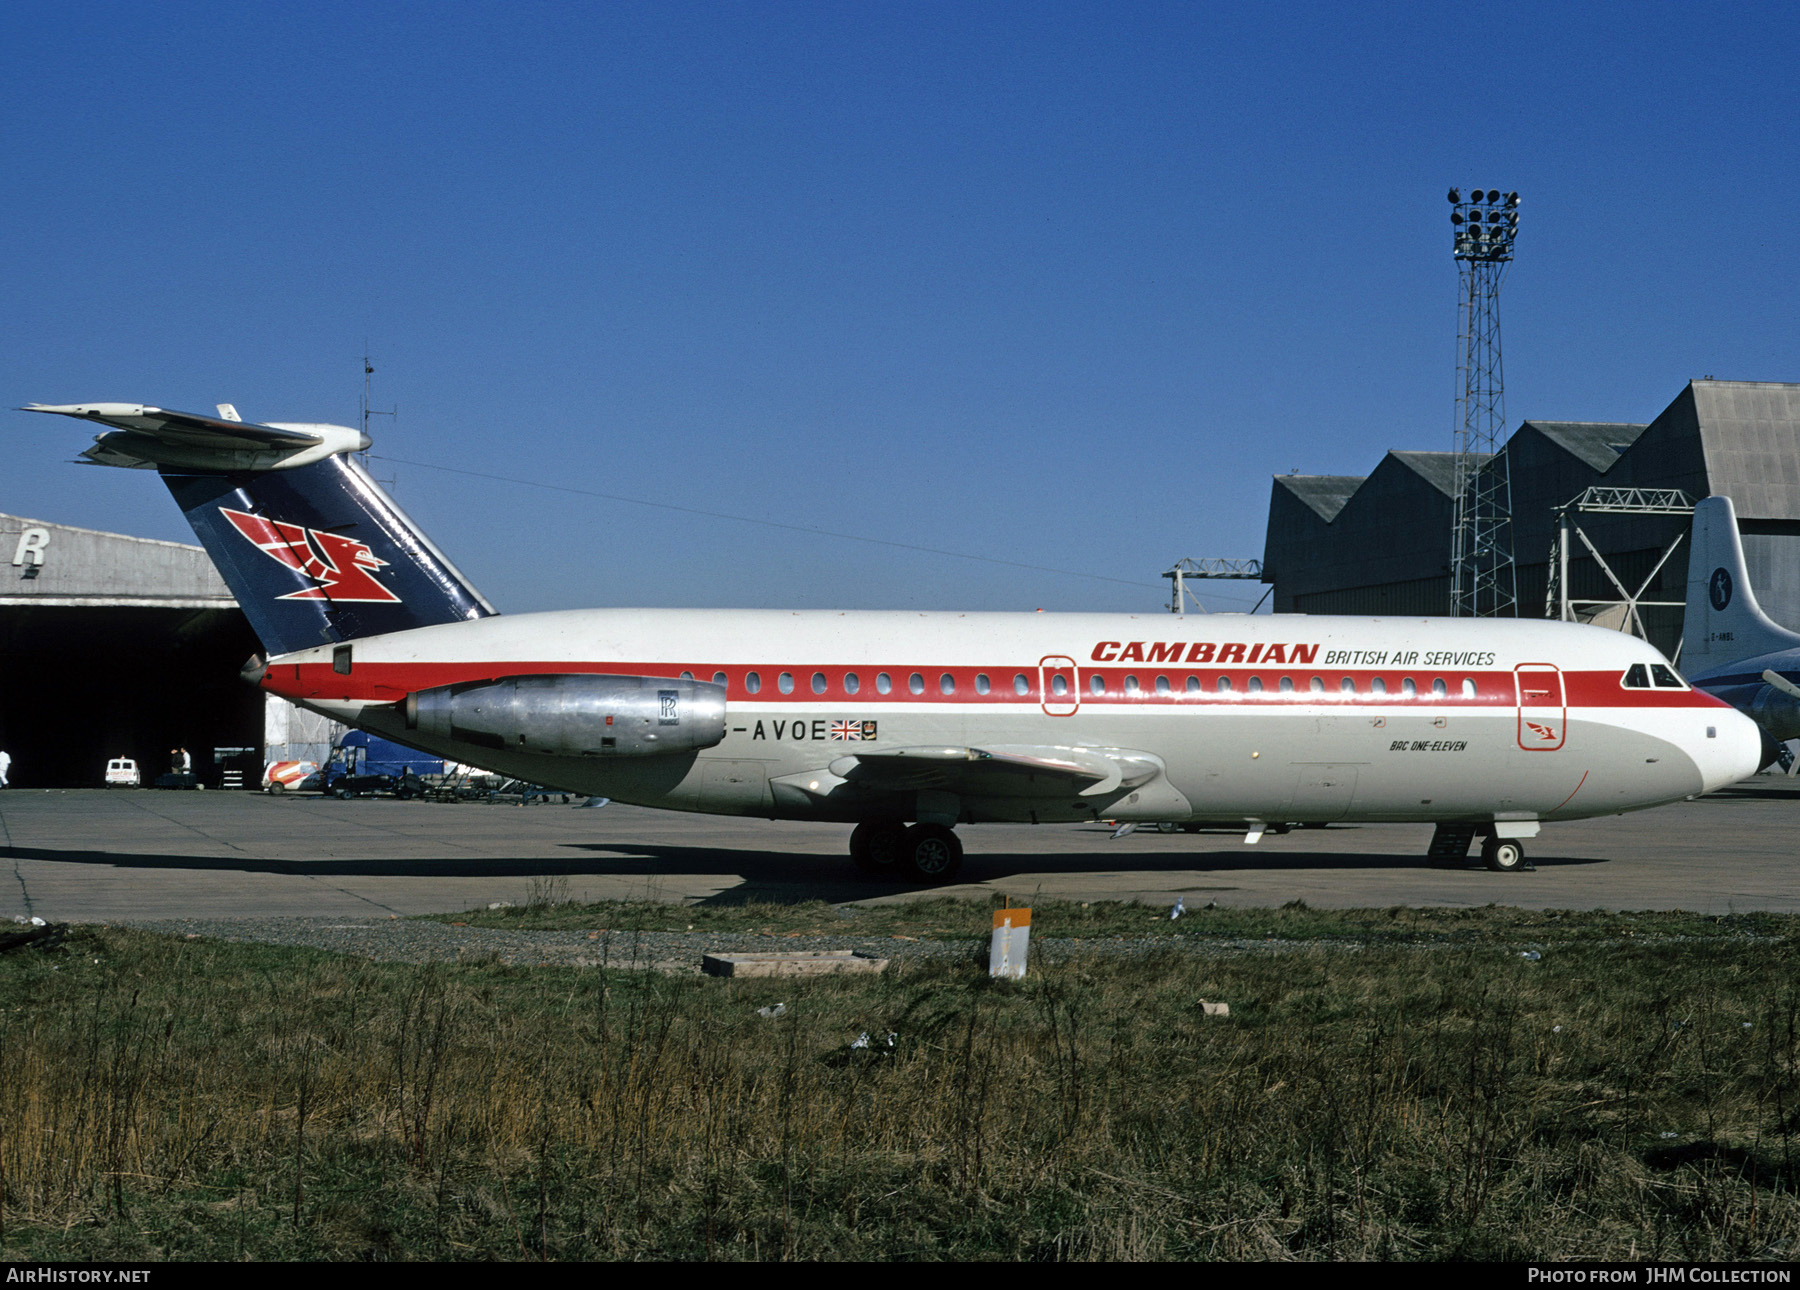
{"points": [[1729, 647], [908, 724]]}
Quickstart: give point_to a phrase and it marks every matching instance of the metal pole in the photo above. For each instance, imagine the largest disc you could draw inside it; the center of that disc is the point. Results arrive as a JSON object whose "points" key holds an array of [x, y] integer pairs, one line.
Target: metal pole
{"points": [[1483, 577]]}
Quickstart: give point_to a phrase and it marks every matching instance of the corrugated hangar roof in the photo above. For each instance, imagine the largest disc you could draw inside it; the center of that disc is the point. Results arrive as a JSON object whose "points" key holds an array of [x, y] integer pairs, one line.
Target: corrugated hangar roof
{"points": [[1324, 495], [1387, 542], [1436, 468], [1597, 443], [59, 565], [1751, 433]]}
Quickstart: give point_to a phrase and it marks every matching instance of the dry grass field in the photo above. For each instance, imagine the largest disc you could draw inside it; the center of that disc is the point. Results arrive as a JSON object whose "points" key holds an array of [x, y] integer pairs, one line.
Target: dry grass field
{"points": [[1389, 1084]]}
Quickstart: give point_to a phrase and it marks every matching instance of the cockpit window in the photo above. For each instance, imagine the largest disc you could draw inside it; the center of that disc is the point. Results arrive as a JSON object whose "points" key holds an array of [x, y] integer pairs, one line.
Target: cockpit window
{"points": [[1637, 677], [1664, 678]]}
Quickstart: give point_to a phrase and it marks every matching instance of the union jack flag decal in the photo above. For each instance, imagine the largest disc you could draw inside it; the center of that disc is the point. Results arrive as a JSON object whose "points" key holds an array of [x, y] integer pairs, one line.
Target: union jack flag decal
{"points": [[854, 732]]}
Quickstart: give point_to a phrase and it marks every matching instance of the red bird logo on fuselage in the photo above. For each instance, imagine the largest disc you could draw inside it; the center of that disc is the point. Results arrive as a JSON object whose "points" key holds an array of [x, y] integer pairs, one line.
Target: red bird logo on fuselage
{"points": [[340, 566]]}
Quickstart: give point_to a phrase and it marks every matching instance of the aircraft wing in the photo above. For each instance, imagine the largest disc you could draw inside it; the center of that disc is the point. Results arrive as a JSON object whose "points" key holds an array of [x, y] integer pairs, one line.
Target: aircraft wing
{"points": [[146, 437], [999, 771]]}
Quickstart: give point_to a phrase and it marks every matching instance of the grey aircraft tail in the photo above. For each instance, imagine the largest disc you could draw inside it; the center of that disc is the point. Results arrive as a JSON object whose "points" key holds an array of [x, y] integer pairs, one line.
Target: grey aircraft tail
{"points": [[1724, 624]]}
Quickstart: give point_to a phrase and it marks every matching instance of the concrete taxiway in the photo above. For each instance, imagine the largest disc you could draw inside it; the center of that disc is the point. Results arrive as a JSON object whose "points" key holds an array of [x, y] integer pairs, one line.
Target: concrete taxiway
{"points": [[99, 856]]}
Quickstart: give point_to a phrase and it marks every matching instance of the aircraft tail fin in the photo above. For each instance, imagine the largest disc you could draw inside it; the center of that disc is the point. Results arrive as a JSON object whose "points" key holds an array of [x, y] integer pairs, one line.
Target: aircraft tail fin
{"points": [[1724, 624], [310, 545]]}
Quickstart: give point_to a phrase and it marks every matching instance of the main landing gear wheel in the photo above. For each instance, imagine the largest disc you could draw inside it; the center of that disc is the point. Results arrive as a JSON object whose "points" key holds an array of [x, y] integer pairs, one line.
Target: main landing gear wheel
{"points": [[1504, 855], [932, 853], [876, 846]]}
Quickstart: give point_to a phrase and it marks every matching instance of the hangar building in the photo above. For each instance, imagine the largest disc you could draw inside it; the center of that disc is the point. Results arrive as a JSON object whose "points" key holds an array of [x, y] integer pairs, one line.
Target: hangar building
{"points": [[114, 646], [1380, 543]]}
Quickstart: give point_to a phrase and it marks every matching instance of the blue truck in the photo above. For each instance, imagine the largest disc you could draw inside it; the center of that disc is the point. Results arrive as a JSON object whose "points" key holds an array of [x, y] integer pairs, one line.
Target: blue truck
{"points": [[365, 763]]}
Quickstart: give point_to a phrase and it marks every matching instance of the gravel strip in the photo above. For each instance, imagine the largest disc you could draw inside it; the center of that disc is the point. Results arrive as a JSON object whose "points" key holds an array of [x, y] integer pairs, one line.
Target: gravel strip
{"points": [[403, 940]]}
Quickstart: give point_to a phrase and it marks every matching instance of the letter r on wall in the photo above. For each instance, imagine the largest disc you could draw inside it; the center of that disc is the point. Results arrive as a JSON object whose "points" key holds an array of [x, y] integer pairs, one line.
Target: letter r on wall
{"points": [[31, 547]]}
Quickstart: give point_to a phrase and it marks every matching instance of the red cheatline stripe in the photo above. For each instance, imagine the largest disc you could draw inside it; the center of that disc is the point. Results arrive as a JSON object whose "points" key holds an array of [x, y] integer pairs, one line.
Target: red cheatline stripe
{"points": [[387, 682]]}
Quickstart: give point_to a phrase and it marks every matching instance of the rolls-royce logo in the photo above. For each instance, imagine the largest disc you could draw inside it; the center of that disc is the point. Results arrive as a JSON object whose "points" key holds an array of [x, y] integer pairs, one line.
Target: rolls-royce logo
{"points": [[1719, 589]]}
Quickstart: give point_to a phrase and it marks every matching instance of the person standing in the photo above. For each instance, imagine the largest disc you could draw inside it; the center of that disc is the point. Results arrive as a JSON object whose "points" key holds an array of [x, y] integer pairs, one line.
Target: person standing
{"points": [[5, 766]]}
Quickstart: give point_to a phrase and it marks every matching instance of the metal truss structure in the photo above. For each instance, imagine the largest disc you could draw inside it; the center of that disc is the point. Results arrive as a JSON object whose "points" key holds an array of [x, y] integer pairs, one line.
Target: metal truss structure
{"points": [[1244, 570], [1621, 611], [1483, 577]]}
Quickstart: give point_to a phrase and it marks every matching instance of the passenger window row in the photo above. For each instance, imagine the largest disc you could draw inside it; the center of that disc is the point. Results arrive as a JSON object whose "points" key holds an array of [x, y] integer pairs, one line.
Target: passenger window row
{"points": [[1130, 686]]}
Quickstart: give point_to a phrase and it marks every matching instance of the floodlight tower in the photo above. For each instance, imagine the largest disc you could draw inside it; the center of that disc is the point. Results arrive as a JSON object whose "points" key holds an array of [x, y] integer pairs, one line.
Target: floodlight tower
{"points": [[1482, 577]]}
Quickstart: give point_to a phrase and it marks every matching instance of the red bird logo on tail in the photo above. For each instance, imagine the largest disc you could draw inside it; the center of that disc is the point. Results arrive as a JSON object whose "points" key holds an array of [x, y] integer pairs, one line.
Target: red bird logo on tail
{"points": [[340, 566]]}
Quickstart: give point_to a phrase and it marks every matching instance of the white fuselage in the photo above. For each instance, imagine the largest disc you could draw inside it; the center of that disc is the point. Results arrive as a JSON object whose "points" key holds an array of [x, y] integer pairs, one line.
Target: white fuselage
{"points": [[1219, 717]]}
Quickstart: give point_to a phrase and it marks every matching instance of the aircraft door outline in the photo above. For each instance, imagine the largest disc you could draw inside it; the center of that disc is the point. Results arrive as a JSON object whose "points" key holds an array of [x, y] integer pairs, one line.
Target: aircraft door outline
{"points": [[1543, 706], [1053, 668]]}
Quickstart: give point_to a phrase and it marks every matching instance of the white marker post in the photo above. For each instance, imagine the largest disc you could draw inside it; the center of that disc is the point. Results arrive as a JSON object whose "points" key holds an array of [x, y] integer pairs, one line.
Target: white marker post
{"points": [[1012, 939]]}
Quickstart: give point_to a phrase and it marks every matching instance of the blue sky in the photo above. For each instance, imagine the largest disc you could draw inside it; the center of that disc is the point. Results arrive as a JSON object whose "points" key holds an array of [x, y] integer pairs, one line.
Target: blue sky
{"points": [[1055, 284]]}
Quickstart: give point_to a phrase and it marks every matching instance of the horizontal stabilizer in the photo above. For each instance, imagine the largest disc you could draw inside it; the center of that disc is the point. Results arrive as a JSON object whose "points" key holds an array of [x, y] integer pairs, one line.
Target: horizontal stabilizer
{"points": [[312, 548], [144, 437]]}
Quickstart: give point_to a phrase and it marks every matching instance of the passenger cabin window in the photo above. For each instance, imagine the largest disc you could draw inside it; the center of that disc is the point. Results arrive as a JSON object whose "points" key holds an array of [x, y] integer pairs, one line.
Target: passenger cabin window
{"points": [[1316, 685], [1347, 685], [883, 682], [1439, 689], [1468, 687], [752, 682], [687, 676], [818, 682], [785, 682], [981, 683], [1020, 684], [852, 683], [916, 683], [1096, 683], [1059, 685], [1378, 686], [1255, 686], [1287, 685], [1193, 685], [1637, 677], [1131, 685], [1162, 685], [1408, 689], [1665, 678], [719, 678], [946, 684], [1224, 684]]}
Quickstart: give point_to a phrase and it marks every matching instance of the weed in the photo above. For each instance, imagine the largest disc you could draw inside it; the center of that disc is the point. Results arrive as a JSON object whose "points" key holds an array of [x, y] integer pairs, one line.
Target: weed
{"points": [[1420, 1093]]}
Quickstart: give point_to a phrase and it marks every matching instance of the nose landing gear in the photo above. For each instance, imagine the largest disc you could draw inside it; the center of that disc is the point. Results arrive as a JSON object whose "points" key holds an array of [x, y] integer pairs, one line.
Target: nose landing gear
{"points": [[1505, 855]]}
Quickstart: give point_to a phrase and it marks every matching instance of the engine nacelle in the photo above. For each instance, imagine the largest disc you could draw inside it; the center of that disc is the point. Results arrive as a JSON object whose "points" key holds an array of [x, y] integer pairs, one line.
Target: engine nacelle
{"points": [[575, 715], [1776, 712]]}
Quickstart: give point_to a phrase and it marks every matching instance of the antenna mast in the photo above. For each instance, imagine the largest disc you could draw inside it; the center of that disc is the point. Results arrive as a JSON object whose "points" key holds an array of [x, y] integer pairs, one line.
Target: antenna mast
{"points": [[1483, 578], [368, 411]]}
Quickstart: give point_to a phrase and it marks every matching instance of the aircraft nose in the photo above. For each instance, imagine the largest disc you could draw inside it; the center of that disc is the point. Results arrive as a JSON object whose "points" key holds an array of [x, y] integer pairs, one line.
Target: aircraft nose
{"points": [[1734, 753]]}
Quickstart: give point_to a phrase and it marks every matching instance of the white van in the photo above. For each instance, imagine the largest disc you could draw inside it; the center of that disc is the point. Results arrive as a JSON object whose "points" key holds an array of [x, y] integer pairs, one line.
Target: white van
{"points": [[122, 772]]}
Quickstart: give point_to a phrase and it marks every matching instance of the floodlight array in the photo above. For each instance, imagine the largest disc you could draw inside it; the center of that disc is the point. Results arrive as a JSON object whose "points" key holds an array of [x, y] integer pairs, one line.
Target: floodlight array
{"points": [[1485, 224]]}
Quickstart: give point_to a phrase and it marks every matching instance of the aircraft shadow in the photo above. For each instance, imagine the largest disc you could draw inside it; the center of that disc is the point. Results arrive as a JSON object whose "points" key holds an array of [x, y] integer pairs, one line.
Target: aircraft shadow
{"points": [[1758, 793], [779, 876]]}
